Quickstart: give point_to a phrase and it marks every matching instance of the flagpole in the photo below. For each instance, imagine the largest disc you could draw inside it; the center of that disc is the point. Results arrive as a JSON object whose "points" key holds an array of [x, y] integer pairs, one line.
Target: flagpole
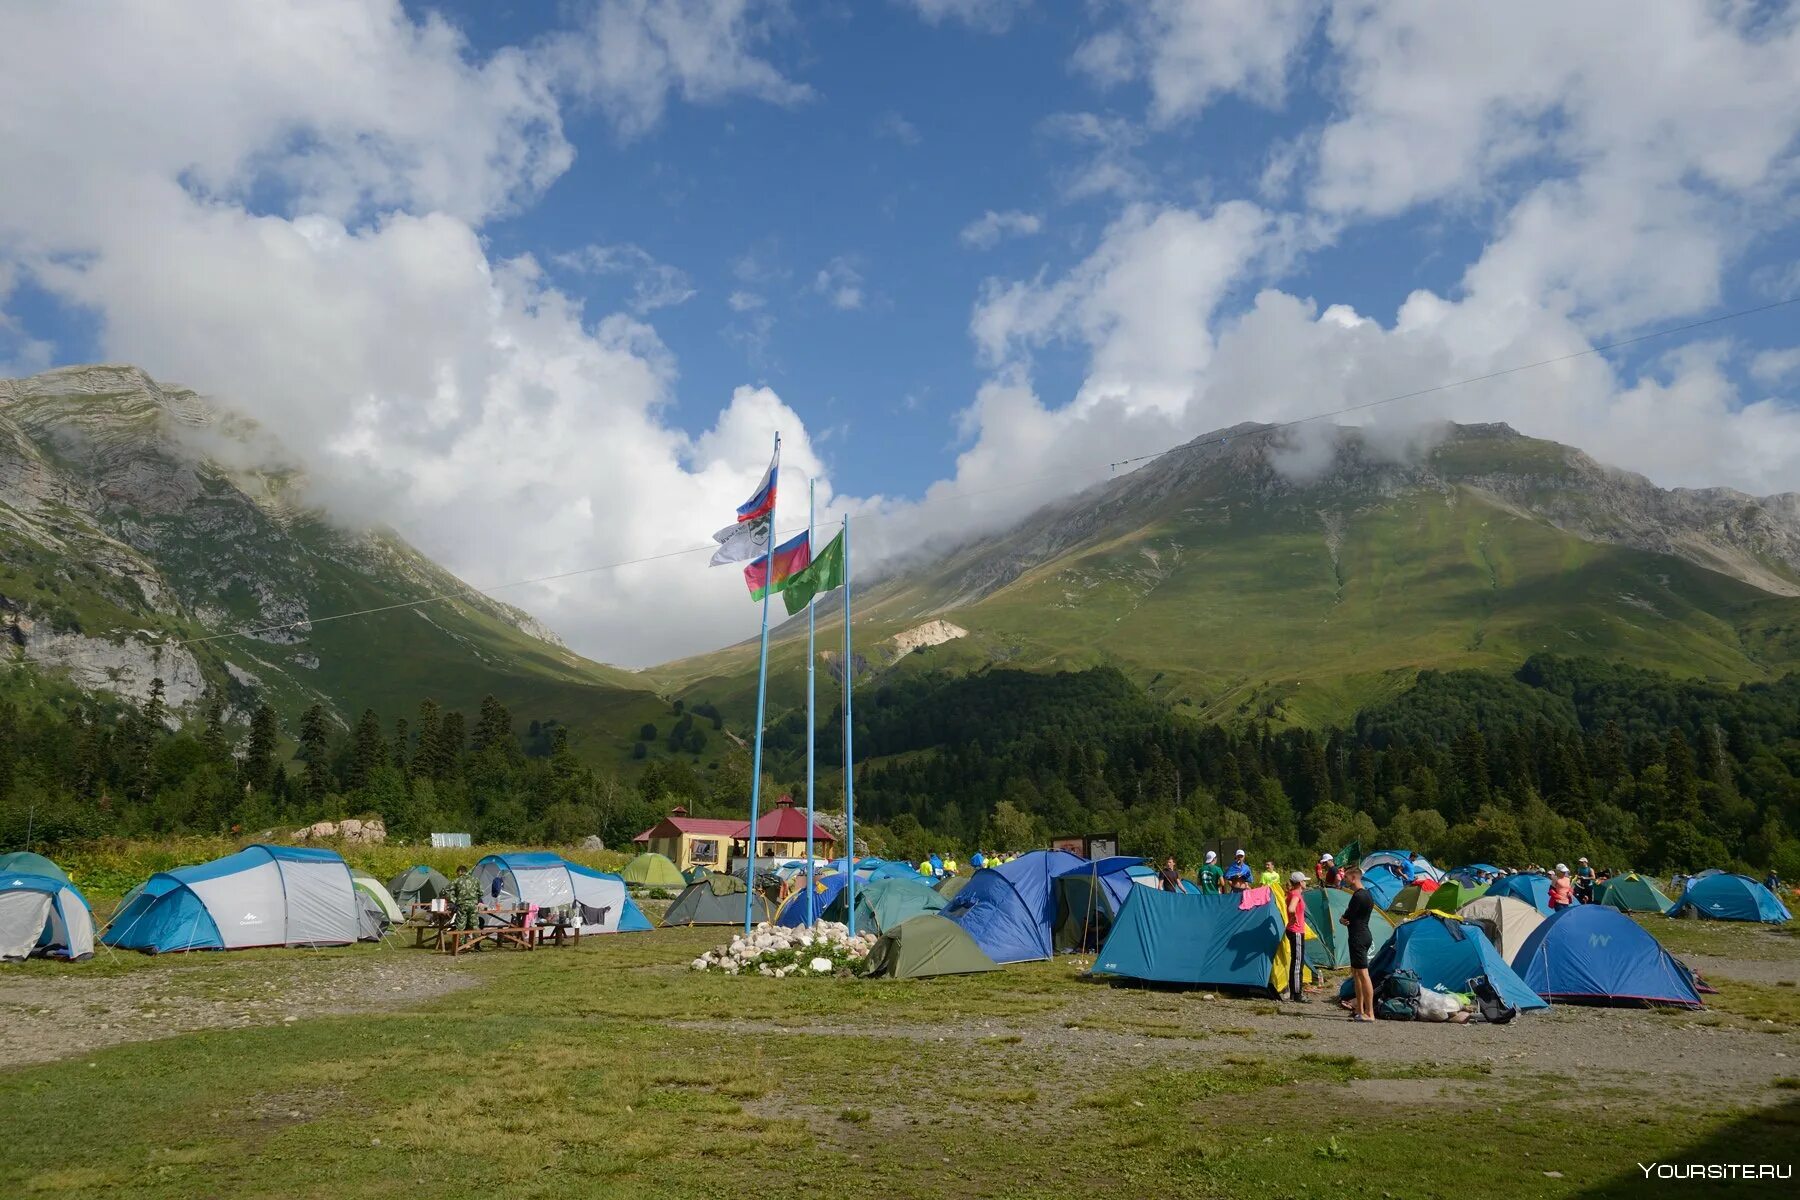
{"points": [[849, 757], [762, 687], [812, 896]]}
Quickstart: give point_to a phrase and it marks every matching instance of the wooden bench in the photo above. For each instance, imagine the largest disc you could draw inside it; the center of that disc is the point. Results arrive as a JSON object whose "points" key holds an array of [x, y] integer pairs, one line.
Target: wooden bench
{"points": [[559, 935], [455, 941]]}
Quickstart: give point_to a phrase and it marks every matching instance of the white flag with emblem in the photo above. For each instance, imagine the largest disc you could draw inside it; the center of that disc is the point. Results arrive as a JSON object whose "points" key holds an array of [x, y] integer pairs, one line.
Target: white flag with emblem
{"points": [[741, 542]]}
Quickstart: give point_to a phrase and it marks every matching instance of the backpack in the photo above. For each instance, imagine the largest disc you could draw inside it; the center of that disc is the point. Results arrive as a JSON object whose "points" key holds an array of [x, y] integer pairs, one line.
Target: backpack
{"points": [[1493, 1009], [1397, 999]]}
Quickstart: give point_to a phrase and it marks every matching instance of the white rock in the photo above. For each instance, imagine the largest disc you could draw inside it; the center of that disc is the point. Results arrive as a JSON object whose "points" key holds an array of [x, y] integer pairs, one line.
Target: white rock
{"points": [[821, 964]]}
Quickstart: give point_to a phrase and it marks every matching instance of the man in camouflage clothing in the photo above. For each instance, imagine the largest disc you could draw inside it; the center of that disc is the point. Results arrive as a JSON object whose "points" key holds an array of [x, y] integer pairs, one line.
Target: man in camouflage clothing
{"points": [[465, 896]]}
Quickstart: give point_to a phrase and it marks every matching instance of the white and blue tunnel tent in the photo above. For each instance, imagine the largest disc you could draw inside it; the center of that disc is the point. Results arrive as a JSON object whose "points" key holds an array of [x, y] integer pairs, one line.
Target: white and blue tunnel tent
{"points": [[42, 914], [551, 881], [260, 896]]}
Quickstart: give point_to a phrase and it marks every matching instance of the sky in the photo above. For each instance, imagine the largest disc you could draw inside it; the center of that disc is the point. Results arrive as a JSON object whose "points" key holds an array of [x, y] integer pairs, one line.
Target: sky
{"points": [[536, 284]]}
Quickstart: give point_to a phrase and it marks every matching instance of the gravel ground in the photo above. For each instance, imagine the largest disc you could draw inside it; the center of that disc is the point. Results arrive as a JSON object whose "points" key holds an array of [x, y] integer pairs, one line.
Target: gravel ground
{"points": [[1751, 970], [36, 1002]]}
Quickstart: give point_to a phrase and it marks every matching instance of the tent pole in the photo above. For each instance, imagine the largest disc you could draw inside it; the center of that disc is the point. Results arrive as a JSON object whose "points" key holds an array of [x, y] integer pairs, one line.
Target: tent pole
{"points": [[812, 896], [849, 750]]}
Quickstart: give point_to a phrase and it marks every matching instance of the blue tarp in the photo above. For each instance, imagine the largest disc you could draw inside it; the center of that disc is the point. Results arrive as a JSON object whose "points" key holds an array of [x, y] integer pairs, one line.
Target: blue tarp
{"points": [[1446, 952], [1532, 889], [1169, 937], [1009, 910], [1731, 898], [1597, 953]]}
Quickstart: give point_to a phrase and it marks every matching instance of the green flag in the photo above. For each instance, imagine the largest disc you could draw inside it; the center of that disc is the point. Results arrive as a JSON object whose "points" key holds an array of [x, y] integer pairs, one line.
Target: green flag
{"points": [[825, 573], [1350, 855]]}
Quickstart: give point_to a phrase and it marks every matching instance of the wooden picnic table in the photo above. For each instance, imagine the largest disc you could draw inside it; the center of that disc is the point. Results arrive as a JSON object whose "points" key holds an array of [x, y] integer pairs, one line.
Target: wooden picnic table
{"points": [[505, 927]]}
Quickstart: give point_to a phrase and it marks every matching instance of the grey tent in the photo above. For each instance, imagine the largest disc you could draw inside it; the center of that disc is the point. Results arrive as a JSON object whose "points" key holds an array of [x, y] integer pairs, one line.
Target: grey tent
{"points": [[417, 885], [716, 900], [43, 915], [927, 945]]}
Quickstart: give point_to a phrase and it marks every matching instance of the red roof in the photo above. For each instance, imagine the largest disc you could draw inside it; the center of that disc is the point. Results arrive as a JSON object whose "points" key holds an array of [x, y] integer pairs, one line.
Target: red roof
{"points": [[785, 824], [709, 826]]}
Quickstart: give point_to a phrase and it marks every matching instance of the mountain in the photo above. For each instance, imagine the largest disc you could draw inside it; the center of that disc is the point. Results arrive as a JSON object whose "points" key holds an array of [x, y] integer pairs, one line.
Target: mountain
{"points": [[1252, 574], [131, 548]]}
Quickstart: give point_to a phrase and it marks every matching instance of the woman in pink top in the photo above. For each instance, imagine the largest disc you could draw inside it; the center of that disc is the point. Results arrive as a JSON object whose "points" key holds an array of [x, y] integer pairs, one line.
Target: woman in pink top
{"points": [[1296, 936], [1562, 891]]}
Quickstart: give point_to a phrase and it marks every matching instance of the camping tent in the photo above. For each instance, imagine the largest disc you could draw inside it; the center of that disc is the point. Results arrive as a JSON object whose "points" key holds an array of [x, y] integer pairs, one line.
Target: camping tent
{"points": [[696, 873], [1730, 898], [1087, 899], [260, 896], [927, 945], [888, 903], [1171, 937], [950, 885], [41, 914], [550, 882], [804, 908], [1532, 889], [652, 871], [1384, 885], [1506, 920], [1452, 895], [376, 896], [1597, 954], [418, 885], [1632, 893], [1445, 952], [24, 862], [1474, 873], [1329, 946], [1414, 869], [716, 900], [1410, 899], [1009, 910]]}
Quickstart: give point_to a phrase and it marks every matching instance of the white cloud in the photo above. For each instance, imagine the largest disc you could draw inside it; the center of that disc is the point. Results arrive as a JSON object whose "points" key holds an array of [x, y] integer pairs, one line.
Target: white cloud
{"points": [[1190, 52], [1109, 166], [745, 301], [893, 125], [990, 16], [840, 283], [654, 284], [986, 231], [428, 384], [1772, 367], [631, 56]]}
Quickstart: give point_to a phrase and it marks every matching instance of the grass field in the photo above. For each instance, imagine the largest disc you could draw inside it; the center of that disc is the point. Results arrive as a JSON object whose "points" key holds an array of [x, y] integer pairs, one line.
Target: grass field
{"points": [[613, 1070]]}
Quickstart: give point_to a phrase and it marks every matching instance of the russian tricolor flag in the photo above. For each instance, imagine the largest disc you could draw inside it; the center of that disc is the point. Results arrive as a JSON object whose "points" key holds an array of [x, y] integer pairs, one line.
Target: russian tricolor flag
{"points": [[763, 502], [790, 558]]}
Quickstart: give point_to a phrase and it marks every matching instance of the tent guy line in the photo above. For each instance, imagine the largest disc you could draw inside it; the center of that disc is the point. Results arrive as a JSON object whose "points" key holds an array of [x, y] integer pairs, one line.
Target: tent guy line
{"points": [[484, 592]]}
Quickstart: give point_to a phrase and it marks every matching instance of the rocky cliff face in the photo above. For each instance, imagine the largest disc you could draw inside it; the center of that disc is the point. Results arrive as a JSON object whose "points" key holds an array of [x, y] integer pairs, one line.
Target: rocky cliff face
{"points": [[125, 546]]}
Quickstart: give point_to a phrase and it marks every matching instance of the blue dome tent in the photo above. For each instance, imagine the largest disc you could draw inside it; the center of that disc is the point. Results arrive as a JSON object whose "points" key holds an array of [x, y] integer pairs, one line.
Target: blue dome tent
{"points": [[1171, 937], [1730, 898], [1009, 910], [1532, 889], [260, 896], [1403, 861], [551, 881], [1443, 951], [805, 907], [42, 914], [1594, 953], [1384, 885]]}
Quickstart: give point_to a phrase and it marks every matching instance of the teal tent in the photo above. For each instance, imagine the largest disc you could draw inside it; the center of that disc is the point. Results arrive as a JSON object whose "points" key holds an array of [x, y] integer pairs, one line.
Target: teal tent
{"points": [[1172, 937], [24, 862], [1330, 944], [1445, 952]]}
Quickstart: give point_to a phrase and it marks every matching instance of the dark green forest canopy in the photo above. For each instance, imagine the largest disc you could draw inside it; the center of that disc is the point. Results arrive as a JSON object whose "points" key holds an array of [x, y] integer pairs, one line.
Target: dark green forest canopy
{"points": [[1564, 757]]}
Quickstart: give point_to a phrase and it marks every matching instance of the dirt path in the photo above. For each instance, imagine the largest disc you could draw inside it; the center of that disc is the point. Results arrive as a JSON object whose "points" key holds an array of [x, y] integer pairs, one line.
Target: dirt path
{"points": [[50, 1011], [1748, 969]]}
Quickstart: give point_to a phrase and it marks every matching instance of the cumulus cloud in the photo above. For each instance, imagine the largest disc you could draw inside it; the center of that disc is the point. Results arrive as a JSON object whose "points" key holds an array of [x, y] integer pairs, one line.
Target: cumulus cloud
{"points": [[987, 230], [430, 385]]}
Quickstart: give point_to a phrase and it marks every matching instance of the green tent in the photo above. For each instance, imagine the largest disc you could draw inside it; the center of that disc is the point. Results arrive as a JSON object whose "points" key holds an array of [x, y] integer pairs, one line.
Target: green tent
{"points": [[927, 945], [887, 903], [949, 885], [369, 886], [716, 900], [24, 862], [1331, 946], [1629, 893], [1452, 895], [418, 885], [652, 871], [696, 873], [1411, 899]]}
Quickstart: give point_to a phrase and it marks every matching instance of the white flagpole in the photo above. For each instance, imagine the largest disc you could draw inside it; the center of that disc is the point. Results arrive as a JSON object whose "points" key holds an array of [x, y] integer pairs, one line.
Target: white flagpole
{"points": [[849, 757], [812, 896], [762, 686]]}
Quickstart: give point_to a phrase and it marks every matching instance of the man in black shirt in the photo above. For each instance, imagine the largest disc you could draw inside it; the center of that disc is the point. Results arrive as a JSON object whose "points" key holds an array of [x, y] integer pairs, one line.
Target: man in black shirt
{"points": [[1356, 921], [1170, 877]]}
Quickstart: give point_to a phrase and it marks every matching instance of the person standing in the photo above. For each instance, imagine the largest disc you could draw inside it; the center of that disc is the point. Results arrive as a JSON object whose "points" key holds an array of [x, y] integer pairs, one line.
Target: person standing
{"points": [[1270, 877], [464, 895], [1562, 892], [1584, 881], [1329, 875], [1237, 875], [1356, 922], [1296, 935], [1212, 879], [1169, 876]]}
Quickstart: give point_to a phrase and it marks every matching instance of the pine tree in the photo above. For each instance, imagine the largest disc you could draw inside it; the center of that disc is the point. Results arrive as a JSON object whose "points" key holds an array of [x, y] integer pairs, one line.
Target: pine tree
{"points": [[216, 738], [1684, 780], [368, 750], [401, 746], [452, 740], [1472, 771], [259, 756], [154, 709], [314, 738], [426, 760]]}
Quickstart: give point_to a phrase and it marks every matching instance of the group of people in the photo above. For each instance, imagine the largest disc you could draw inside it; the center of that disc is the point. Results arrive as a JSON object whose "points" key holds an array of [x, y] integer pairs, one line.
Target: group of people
{"points": [[939, 866]]}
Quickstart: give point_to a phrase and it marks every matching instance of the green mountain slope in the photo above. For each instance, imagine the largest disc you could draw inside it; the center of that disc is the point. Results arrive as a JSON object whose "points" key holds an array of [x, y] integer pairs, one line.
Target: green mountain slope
{"points": [[1235, 591], [128, 548]]}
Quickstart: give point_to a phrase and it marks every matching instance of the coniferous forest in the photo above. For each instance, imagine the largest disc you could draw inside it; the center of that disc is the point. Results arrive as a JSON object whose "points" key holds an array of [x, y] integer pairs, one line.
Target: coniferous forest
{"points": [[1565, 757]]}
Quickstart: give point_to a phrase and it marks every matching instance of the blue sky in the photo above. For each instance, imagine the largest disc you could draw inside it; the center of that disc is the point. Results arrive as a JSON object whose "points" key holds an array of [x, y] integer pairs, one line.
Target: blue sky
{"points": [[534, 282]]}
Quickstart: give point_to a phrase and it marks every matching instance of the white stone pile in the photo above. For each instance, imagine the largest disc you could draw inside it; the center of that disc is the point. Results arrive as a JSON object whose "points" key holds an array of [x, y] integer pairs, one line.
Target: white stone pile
{"points": [[748, 953]]}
